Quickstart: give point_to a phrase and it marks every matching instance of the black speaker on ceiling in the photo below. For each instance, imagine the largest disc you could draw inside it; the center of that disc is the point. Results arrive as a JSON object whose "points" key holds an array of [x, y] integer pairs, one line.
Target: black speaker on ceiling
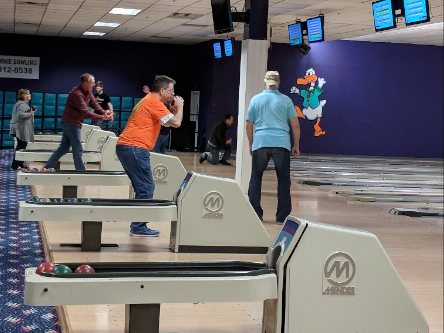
{"points": [[222, 19], [304, 48], [258, 27]]}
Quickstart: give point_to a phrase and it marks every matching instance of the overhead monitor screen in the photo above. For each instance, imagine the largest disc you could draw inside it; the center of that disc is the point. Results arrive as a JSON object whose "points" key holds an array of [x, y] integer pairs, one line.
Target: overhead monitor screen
{"points": [[228, 48], [383, 15], [315, 29], [295, 34], [217, 50], [416, 11]]}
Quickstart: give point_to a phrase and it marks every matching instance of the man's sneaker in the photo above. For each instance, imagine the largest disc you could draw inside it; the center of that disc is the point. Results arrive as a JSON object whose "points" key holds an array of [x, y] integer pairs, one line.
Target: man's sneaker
{"points": [[279, 222], [224, 162], [144, 233], [203, 158]]}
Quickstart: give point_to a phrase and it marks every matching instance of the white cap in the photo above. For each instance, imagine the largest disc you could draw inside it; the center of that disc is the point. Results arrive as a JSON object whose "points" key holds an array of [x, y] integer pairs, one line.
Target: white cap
{"points": [[272, 78]]}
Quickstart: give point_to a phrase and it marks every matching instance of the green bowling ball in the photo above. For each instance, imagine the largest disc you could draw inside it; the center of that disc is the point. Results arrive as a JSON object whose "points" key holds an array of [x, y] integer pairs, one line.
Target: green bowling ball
{"points": [[86, 200], [62, 269], [50, 170], [35, 198]]}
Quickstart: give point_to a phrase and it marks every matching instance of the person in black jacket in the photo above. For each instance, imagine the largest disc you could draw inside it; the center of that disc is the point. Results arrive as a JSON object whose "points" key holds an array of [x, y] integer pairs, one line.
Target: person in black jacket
{"points": [[218, 142]]}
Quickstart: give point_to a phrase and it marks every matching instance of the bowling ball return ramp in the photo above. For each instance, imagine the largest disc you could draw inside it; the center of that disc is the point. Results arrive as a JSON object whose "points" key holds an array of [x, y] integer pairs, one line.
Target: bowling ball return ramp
{"points": [[316, 278], [207, 214]]}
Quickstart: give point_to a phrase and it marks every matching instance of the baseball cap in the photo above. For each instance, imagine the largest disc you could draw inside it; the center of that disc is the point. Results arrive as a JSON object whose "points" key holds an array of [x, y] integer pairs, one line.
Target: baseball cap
{"points": [[272, 78]]}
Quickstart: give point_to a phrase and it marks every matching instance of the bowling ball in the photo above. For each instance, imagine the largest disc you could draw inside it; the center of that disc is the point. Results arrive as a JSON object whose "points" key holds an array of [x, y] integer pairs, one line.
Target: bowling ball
{"points": [[58, 200], [35, 198], [72, 200], [40, 133], [43, 170], [85, 269], [45, 200], [51, 170], [34, 170], [62, 269], [45, 267], [86, 200]]}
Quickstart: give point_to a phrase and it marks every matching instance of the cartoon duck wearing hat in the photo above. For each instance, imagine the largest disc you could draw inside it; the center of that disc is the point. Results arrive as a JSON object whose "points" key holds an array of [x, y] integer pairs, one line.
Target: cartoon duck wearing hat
{"points": [[312, 105]]}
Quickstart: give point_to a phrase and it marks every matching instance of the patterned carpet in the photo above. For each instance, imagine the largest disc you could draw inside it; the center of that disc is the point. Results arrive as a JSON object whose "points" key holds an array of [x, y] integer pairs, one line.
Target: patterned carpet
{"points": [[20, 247]]}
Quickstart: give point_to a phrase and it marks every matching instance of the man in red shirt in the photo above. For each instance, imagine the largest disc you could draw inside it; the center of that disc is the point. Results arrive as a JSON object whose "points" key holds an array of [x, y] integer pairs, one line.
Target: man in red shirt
{"points": [[139, 137], [76, 109]]}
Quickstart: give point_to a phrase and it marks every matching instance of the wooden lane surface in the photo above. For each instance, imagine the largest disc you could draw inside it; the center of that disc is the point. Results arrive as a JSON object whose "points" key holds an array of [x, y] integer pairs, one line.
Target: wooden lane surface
{"points": [[415, 246]]}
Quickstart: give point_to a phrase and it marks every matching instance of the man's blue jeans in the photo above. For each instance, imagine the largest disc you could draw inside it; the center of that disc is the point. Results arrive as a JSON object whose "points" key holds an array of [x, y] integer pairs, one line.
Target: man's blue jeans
{"points": [[136, 163], [281, 158], [214, 157], [70, 139], [160, 145]]}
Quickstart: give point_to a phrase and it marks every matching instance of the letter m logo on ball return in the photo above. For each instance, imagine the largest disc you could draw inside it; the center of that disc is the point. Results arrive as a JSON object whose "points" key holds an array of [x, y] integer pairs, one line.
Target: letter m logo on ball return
{"points": [[213, 205], [160, 173], [339, 275]]}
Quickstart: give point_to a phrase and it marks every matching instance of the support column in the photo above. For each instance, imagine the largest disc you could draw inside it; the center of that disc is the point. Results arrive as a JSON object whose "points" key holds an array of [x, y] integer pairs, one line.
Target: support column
{"points": [[252, 71]]}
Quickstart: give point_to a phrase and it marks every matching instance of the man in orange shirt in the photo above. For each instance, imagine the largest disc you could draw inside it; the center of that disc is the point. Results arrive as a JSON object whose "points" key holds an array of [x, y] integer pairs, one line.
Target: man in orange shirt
{"points": [[139, 137]]}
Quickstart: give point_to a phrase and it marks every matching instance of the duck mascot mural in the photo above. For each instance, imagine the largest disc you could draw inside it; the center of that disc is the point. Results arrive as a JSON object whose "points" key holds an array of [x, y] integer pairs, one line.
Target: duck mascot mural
{"points": [[312, 105]]}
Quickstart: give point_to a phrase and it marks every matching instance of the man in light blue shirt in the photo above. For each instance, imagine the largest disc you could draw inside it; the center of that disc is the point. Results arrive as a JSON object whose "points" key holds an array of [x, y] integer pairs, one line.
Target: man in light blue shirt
{"points": [[270, 116]]}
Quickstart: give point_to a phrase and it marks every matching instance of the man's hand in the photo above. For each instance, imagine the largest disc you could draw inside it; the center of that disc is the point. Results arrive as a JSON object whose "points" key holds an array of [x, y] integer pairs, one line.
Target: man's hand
{"points": [[295, 151], [178, 102], [146, 89], [108, 115], [228, 141]]}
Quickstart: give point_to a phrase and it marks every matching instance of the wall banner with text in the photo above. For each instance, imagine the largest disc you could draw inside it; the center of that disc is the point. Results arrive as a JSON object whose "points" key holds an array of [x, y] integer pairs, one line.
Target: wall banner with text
{"points": [[19, 67]]}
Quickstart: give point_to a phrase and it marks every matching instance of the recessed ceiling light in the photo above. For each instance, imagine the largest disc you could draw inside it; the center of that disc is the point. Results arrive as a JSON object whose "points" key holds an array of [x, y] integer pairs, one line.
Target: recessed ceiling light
{"points": [[125, 11], [104, 24], [91, 33]]}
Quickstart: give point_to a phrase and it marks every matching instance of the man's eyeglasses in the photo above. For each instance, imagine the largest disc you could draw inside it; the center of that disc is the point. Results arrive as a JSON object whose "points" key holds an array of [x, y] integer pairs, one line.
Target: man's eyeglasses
{"points": [[170, 90]]}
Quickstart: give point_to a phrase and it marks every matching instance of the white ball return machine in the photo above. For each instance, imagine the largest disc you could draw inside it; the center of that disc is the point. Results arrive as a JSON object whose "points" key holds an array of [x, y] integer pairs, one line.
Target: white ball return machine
{"points": [[52, 141], [168, 173], [209, 214], [317, 278], [104, 152], [58, 137]]}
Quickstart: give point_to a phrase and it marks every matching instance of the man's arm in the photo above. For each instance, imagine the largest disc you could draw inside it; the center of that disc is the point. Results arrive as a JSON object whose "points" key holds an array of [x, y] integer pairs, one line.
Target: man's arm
{"points": [[109, 104], [110, 107], [249, 128], [296, 130], [176, 120]]}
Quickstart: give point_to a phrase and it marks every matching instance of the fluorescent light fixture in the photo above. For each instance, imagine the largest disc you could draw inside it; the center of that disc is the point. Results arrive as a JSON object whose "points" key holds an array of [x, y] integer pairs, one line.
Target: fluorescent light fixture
{"points": [[104, 24], [125, 11], [91, 33]]}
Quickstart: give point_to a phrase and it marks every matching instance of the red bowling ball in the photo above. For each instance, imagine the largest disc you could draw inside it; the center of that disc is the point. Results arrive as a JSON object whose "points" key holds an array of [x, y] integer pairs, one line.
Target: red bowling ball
{"points": [[84, 269], [46, 267]]}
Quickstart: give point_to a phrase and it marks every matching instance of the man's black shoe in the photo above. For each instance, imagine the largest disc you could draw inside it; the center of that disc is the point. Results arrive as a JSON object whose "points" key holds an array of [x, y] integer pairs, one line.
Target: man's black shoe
{"points": [[225, 162], [203, 158]]}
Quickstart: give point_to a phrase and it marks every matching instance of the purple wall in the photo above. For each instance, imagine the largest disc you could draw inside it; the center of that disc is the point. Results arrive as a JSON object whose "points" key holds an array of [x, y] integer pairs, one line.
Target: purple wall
{"points": [[124, 67], [218, 83], [382, 99]]}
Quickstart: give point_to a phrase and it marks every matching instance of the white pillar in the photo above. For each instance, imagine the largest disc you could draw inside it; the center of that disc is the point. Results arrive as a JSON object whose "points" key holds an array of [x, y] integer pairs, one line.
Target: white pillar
{"points": [[252, 71]]}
